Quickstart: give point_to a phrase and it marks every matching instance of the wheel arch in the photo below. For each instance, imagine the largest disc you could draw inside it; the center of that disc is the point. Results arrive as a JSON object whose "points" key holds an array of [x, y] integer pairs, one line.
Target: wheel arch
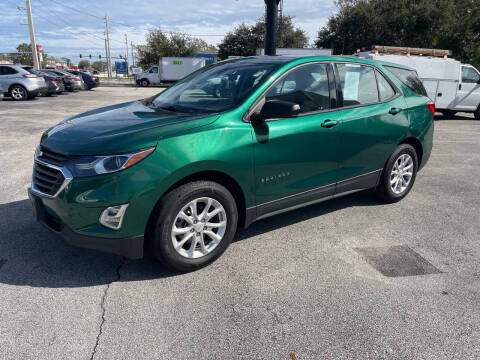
{"points": [[417, 145], [17, 84], [219, 177]]}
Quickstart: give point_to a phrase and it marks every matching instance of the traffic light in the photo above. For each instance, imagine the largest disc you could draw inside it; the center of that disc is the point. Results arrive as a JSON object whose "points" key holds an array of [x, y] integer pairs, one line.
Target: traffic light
{"points": [[80, 56], [90, 56], [99, 56]]}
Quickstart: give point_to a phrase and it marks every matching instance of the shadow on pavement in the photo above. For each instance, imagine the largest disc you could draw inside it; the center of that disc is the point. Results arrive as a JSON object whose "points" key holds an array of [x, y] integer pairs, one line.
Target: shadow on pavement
{"points": [[31, 255]]}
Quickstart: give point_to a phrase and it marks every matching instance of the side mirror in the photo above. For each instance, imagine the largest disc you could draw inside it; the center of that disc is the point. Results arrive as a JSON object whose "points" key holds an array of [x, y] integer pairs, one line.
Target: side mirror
{"points": [[273, 109]]}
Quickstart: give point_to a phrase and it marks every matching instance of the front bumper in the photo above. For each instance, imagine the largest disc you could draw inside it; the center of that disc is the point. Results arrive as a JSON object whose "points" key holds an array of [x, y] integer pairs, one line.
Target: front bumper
{"points": [[130, 247]]}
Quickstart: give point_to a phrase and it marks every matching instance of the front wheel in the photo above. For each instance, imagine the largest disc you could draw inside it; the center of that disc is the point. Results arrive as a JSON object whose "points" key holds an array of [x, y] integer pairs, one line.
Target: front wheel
{"points": [[194, 226], [144, 83], [18, 93], [398, 175]]}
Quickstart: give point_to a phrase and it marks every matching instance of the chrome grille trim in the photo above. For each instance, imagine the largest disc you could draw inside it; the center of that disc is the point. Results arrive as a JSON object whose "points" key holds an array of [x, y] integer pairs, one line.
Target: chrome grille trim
{"points": [[67, 176]]}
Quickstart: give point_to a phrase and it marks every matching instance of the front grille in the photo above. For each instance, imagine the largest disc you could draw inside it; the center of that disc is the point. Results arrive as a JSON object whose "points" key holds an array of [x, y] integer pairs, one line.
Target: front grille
{"points": [[52, 157], [47, 180]]}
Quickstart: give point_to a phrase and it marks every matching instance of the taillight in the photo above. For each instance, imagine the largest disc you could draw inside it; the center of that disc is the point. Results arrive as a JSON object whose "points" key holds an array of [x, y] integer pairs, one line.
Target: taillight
{"points": [[76, 78], [92, 79], [30, 76], [53, 79], [431, 107]]}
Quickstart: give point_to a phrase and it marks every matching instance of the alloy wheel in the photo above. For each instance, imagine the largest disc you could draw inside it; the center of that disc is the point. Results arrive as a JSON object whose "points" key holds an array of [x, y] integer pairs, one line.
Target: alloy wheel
{"points": [[402, 173], [18, 93], [199, 227]]}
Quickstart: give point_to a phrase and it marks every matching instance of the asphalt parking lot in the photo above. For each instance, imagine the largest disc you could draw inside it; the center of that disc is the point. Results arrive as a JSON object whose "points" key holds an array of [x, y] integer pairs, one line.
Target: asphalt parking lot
{"points": [[300, 283]]}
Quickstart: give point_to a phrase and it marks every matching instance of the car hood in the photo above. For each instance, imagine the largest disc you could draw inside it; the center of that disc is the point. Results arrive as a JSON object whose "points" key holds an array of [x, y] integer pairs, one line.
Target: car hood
{"points": [[118, 129]]}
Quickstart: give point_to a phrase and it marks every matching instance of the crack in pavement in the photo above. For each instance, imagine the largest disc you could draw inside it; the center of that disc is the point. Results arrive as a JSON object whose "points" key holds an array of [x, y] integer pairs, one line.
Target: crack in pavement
{"points": [[102, 306]]}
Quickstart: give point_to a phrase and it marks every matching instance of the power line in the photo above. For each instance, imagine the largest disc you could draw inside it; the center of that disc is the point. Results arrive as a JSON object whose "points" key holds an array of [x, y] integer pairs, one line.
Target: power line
{"points": [[77, 10]]}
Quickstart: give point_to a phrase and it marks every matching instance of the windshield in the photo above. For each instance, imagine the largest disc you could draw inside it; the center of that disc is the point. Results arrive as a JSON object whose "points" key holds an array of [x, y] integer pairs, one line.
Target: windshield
{"points": [[215, 89]]}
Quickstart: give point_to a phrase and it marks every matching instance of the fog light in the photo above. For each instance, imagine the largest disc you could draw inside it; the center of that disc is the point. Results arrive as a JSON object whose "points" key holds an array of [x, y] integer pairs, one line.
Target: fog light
{"points": [[112, 217]]}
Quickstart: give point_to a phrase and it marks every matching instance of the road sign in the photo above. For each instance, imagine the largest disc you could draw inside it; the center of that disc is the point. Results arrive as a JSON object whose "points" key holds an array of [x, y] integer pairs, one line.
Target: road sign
{"points": [[121, 67]]}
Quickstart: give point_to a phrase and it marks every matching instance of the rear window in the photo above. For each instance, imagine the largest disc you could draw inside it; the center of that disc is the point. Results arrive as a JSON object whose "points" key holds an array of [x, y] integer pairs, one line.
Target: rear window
{"points": [[409, 78]]}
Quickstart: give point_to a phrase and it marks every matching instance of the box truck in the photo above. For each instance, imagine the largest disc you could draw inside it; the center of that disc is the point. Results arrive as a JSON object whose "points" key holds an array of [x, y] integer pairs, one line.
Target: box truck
{"points": [[169, 69], [453, 86]]}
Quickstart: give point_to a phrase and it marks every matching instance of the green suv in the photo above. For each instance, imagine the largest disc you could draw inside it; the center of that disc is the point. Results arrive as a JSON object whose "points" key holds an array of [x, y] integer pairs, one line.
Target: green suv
{"points": [[175, 175]]}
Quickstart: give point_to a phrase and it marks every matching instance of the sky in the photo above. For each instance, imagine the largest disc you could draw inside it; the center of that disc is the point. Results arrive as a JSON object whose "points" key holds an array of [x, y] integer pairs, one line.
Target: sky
{"points": [[66, 29]]}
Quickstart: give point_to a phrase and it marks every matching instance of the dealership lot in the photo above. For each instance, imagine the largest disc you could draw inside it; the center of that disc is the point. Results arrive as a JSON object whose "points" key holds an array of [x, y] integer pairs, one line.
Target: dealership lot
{"points": [[349, 278]]}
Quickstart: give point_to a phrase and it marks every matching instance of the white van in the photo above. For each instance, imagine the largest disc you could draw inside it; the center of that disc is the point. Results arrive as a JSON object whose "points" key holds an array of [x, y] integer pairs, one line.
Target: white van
{"points": [[453, 86], [169, 69]]}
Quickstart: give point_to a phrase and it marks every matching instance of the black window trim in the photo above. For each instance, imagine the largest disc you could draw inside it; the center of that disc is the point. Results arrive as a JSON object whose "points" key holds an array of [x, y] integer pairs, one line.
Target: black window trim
{"points": [[261, 97]]}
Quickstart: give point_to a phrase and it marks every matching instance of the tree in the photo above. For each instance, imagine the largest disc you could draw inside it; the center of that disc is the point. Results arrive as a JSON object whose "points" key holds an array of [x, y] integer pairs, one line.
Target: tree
{"points": [[23, 55], [169, 44], [448, 24], [244, 40], [84, 64], [98, 65]]}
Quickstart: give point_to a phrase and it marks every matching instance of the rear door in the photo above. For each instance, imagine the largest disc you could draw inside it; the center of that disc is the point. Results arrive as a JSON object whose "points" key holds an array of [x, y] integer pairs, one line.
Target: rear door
{"points": [[373, 118], [296, 159], [468, 94], [7, 77]]}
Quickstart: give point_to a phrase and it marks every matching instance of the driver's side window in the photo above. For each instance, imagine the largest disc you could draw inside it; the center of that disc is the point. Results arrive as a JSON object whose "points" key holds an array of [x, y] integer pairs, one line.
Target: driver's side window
{"points": [[469, 75], [306, 86], [154, 70]]}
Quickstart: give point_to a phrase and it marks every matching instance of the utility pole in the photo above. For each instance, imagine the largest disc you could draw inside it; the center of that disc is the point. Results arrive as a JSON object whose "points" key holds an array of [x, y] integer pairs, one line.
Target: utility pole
{"points": [[271, 26], [126, 57], [107, 48], [36, 65], [133, 53]]}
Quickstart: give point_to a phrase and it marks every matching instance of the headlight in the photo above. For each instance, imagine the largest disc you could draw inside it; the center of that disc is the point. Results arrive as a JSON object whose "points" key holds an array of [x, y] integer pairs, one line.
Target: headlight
{"points": [[84, 166]]}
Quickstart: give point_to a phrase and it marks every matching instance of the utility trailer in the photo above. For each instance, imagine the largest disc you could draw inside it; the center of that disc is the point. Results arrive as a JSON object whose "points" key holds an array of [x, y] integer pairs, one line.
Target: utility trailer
{"points": [[169, 69], [453, 86]]}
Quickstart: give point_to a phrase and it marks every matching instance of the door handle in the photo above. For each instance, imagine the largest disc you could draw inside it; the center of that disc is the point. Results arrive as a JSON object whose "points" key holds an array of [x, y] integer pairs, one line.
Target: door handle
{"points": [[395, 111], [329, 123]]}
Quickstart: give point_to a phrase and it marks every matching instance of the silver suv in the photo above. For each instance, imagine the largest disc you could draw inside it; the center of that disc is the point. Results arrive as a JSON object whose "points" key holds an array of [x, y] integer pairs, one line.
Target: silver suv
{"points": [[19, 84]]}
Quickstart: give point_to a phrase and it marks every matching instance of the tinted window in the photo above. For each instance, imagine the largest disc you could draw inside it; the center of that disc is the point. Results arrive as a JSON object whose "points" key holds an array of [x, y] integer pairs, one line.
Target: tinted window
{"points": [[358, 84], [306, 86], [409, 78], [7, 70], [469, 75], [385, 90]]}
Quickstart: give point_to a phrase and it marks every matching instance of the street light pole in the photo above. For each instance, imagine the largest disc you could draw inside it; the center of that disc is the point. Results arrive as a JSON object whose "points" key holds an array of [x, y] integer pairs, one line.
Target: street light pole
{"points": [[271, 26], [107, 48], [33, 43], [126, 57]]}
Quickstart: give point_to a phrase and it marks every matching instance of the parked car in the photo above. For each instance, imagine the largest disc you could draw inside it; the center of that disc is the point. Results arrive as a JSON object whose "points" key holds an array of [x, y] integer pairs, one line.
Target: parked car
{"points": [[54, 83], [19, 84], [70, 81], [90, 81], [175, 174]]}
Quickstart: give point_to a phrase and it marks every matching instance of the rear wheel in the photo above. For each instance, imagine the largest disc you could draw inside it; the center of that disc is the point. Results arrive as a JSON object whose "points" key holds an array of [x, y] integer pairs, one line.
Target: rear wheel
{"points": [[18, 93], [399, 174], [476, 114], [448, 113], [194, 226]]}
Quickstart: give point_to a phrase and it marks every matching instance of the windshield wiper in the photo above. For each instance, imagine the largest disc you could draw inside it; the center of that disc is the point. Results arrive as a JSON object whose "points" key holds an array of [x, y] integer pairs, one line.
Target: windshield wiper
{"points": [[169, 108]]}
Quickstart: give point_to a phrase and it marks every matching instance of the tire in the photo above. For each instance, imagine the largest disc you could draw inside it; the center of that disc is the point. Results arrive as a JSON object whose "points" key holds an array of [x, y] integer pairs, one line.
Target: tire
{"points": [[476, 113], [448, 113], [391, 193], [18, 93], [144, 83], [161, 234]]}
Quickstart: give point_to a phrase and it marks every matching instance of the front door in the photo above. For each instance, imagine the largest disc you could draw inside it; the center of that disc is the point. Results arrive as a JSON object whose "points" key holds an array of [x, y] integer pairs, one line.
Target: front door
{"points": [[296, 158], [468, 94]]}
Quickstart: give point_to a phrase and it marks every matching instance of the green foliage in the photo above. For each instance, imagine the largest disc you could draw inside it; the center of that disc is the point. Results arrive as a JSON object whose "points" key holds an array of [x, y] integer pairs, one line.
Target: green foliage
{"points": [[245, 40], [446, 24], [23, 55], [98, 65], [170, 44], [84, 64]]}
